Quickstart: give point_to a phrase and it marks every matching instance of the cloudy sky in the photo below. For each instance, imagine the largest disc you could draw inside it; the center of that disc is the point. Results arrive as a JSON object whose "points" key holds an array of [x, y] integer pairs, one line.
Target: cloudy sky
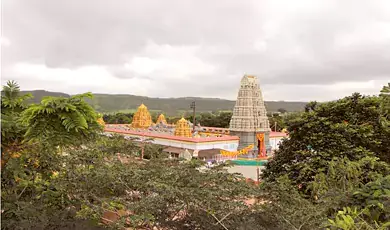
{"points": [[300, 50]]}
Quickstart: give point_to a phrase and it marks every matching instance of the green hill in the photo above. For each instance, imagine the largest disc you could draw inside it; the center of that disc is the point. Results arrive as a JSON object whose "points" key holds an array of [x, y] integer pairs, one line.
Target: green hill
{"points": [[39, 94], [110, 103]]}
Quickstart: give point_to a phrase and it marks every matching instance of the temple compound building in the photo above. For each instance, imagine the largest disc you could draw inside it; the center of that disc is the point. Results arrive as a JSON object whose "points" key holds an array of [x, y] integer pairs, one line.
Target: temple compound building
{"points": [[177, 138], [249, 121], [249, 126]]}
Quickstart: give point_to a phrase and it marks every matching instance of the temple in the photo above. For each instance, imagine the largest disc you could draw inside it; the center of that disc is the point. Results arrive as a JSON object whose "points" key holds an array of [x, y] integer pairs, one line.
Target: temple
{"points": [[101, 121], [142, 118], [182, 128], [161, 119], [249, 133], [249, 121]]}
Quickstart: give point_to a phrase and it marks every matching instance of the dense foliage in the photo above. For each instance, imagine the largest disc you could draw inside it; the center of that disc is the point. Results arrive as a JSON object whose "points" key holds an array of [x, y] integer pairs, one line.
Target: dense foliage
{"points": [[118, 118], [59, 172], [220, 119], [338, 156], [350, 127], [64, 175]]}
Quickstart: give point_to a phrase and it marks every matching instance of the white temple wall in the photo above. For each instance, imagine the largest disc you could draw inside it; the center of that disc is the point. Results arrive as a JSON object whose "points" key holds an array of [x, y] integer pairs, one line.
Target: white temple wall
{"points": [[230, 145]]}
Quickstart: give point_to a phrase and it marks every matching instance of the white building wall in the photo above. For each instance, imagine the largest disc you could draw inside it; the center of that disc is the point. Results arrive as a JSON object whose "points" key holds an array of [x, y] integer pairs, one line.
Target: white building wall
{"points": [[225, 145]]}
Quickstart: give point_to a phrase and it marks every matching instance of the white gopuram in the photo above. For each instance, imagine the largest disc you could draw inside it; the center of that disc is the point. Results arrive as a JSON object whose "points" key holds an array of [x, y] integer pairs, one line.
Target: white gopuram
{"points": [[249, 114]]}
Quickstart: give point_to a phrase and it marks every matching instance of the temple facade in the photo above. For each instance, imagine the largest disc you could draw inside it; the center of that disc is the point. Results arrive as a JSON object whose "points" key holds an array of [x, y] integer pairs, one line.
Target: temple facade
{"points": [[249, 120], [249, 129]]}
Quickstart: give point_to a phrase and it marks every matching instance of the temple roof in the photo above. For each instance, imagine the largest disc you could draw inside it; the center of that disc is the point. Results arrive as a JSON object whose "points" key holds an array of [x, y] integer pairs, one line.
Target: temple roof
{"points": [[170, 136]]}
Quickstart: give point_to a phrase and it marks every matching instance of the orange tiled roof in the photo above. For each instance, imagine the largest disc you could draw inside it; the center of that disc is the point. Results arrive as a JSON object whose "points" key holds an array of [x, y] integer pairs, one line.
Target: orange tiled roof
{"points": [[172, 137]]}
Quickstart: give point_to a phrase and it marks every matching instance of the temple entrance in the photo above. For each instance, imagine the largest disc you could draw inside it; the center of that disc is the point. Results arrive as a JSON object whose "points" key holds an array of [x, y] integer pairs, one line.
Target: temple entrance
{"points": [[261, 145]]}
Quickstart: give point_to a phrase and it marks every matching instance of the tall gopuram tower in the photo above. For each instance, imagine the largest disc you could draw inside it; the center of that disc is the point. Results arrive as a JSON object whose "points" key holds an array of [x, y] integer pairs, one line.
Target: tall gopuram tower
{"points": [[249, 120]]}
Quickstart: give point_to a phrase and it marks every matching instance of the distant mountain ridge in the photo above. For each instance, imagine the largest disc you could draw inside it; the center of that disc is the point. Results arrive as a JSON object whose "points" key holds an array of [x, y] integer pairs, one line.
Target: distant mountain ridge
{"points": [[109, 103]]}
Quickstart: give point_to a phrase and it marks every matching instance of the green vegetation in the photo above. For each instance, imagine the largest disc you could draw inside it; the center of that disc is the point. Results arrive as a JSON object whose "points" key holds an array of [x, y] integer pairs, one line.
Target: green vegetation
{"points": [[58, 172], [221, 119], [338, 155], [107, 103], [207, 119]]}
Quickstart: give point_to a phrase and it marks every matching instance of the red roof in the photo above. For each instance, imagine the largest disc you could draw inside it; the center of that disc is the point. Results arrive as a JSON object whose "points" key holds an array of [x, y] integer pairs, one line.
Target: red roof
{"points": [[171, 137], [189, 139], [277, 134]]}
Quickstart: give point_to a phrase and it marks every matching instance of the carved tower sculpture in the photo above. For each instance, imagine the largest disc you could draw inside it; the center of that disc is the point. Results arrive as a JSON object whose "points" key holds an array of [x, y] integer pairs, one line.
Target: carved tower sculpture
{"points": [[161, 119], [249, 120], [142, 118], [182, 128]]}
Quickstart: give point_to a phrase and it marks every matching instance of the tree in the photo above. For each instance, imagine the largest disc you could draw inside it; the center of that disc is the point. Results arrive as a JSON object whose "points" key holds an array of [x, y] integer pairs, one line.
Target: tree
{"points": [[118, 118], [348, 128], [12, 131], [220, 119], [371, 208], [277, 123], [50, 187], [335, 151], [61, 121], [12, 100], [30, 199], [385, 104], [282, 110], [176, 195]]}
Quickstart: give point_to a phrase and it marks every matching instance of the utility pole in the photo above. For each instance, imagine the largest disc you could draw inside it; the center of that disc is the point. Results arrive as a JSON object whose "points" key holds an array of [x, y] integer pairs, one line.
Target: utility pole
{"points": [[193, 106], [143, 145], [275, 126]]}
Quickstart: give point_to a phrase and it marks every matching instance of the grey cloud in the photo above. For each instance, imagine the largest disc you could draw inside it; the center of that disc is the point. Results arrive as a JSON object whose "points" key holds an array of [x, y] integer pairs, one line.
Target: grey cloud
{"points": [[123, 73], [73, 33], [300, 49]]}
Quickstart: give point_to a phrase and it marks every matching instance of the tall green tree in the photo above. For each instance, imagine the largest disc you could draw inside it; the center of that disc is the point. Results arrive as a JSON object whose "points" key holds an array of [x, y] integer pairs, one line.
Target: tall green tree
{"points": [[349, 127], [12, 131], [61, 121], [118, 118], [32, 134], [11, 98], [385, 105]]}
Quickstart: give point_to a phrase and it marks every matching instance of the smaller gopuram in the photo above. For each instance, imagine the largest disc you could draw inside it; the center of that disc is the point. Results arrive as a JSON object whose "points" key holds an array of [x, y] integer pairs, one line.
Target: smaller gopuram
{"points": [[249, 120], [100, 120], [161, 119], [182, 128], [142, 118]]}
